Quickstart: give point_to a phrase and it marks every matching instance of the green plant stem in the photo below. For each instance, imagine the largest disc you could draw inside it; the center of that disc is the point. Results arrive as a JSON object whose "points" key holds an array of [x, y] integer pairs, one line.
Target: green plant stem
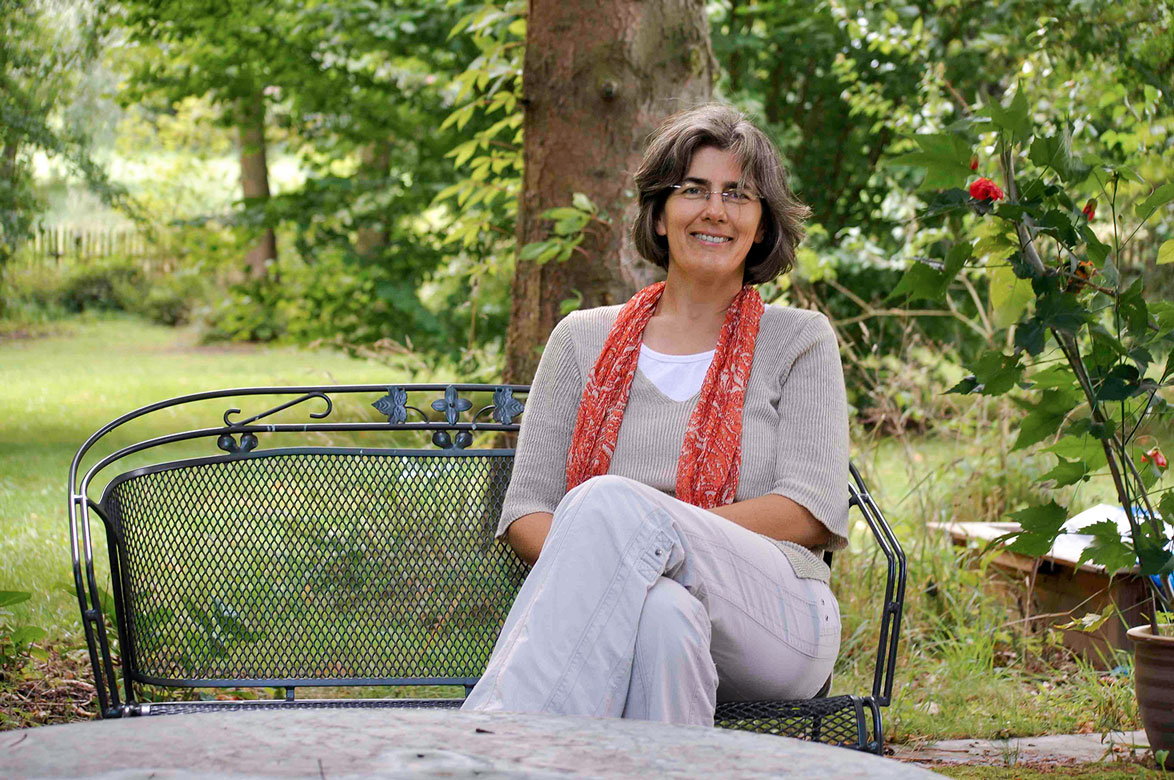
{"points": [[1022, 229]]}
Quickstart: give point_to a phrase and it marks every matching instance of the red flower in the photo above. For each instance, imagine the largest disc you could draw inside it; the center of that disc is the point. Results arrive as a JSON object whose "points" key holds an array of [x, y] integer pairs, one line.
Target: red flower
{"points": [[985, 189], [1156, 456], [974, 163], [1090, 209]]}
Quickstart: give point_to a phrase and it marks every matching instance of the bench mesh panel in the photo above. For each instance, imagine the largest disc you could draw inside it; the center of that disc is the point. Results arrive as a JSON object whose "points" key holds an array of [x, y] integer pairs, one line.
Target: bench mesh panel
{"points": [[832, 720], [318, 567]]}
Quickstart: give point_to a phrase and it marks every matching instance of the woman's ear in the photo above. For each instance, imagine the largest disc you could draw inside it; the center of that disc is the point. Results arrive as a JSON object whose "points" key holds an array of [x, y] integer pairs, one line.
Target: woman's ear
{"points": [[660, 228], [761, 233]]}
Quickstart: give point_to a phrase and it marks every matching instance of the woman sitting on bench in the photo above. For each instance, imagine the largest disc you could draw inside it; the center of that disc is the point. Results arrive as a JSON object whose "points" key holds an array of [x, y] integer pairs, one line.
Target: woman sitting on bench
{"points": [[682, 463]]}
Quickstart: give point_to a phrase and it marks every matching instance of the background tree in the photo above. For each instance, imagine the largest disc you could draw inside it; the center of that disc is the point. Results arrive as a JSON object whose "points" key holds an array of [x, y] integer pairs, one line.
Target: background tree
{"points": [[41, 60], [598, 78]]}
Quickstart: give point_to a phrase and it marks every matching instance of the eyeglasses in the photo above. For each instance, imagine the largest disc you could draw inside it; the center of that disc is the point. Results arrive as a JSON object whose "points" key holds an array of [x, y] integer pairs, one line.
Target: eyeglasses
{"points": [[729, 197]]}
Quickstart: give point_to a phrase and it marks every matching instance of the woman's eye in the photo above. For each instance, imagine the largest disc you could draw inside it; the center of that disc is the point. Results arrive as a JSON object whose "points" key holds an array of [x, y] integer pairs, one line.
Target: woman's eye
{"points": [[692, 192], [736, 196]]}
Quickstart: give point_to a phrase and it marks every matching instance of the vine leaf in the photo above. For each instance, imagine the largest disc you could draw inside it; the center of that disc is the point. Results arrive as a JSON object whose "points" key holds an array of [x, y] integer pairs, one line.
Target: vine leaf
{"points": [[1040, 526], [1107, 547], [1046, 417]]}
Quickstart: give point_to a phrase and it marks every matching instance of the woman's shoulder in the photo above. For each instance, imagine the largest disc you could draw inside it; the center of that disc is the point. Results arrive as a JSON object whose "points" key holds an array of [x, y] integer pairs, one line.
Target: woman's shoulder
{"points": [[787, 322], [586, 326]]}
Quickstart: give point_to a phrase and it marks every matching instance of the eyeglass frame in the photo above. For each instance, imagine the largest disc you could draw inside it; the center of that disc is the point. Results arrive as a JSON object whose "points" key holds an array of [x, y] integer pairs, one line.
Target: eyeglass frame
{"points": [[725, 194]]}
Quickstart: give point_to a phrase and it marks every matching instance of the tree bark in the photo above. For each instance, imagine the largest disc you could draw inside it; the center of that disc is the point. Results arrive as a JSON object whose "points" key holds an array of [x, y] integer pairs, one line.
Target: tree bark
{"points": [[8, 160], [598, 77], [255, 177], [374, 235]]}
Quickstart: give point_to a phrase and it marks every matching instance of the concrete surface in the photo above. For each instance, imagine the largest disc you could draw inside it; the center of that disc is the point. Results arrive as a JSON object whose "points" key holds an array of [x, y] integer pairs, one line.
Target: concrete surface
{"points": [[1062, 748], [419, 743]]}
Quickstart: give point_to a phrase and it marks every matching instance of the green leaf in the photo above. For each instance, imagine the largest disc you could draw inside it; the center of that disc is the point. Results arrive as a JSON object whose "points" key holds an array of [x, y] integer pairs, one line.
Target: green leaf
{"points": [[1031, 336], [1014, 118], [1010, 296], [1108, 548], [945, 158], [997, 242], [1045, 417], [568, 305], [965, 387], [1040, 525], [1056, 222], [563, 212], [1081, 448], [1062, 311], [921, 281], [1158, 198], [10, 597], [583, 203], [533, 250], [1067, 472], [1120, 383], [1133, 309], [956, 258], [1151, 551], [26, 635], [996, 373], [1053, 152], [1166, 252], [1097, 252]]}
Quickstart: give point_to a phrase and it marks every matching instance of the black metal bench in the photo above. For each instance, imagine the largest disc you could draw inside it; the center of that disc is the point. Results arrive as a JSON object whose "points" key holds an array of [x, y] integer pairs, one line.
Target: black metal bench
{"points": [[326, 565]]}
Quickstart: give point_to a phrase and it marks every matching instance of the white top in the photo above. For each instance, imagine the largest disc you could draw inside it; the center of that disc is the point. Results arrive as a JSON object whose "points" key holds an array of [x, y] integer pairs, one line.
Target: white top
{"points": [[678, 376]]}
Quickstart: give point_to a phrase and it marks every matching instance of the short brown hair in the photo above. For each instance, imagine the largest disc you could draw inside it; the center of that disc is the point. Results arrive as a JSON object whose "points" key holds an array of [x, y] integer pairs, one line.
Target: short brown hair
{"points": [[666, 161]]}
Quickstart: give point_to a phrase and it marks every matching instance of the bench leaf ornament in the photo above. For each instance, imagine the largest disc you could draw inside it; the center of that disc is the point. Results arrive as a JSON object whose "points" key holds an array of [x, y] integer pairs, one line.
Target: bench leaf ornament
{"points": [[505, 406], [394, 405], [452, 405]]}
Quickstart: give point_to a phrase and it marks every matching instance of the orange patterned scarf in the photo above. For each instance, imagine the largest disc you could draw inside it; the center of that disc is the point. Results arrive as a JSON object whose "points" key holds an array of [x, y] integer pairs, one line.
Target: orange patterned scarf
{"points": [[707, 472]]}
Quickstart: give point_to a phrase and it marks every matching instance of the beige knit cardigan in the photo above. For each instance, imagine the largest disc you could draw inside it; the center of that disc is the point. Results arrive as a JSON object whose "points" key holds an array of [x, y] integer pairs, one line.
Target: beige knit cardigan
{"points": [[794, 424]]}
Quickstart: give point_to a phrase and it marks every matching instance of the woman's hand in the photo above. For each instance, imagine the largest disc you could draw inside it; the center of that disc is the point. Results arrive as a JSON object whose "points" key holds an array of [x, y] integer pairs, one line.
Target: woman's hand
{"points": [[777, 517], [527, 534]]}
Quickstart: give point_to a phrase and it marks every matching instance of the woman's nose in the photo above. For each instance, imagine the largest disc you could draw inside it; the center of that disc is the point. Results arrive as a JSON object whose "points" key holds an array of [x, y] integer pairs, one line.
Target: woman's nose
{"points": [[715, 207]]}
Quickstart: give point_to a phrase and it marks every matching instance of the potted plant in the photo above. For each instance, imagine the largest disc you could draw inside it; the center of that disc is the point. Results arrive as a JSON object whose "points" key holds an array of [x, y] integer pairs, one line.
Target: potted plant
{"points": [[1088, 347]]}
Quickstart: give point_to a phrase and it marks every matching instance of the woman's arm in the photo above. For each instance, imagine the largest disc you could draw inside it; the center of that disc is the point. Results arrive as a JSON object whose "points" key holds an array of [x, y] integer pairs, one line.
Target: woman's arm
{"points": [[527, 534], [777, 517], [772, 515]]}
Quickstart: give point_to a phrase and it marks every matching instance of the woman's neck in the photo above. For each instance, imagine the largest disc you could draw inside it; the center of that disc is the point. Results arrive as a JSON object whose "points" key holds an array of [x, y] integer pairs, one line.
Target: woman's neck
{"points": [[699, 301], [689, 316]]}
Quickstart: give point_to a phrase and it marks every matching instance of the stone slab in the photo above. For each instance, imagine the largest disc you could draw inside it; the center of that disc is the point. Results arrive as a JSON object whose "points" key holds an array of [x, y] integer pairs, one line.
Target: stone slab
{"points": [[343, 743], [1059, 748]]}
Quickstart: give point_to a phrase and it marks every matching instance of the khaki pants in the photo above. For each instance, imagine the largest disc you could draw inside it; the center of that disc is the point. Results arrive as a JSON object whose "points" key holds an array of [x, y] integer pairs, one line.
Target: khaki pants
{"points": [[643, 606]]}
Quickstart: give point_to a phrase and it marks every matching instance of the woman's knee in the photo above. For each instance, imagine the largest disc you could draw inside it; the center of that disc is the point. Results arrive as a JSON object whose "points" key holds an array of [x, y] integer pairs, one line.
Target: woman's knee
{"points": [[606, 495], [673, 621]]}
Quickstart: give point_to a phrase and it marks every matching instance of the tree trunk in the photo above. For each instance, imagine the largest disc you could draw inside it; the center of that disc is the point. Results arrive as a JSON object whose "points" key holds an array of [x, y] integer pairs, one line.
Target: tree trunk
{"points": [[374, 235], [8, 160], [255, 177], [598, 77]]}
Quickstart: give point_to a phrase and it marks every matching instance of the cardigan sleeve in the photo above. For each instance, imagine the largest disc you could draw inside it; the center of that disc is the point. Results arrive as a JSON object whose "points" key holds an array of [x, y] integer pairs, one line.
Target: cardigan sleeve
{"points": [[538, 480], [811, 460]]}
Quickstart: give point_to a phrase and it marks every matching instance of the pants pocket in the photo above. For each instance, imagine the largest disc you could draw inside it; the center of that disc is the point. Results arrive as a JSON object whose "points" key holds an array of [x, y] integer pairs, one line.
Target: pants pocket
{"points": [[812, 619]]}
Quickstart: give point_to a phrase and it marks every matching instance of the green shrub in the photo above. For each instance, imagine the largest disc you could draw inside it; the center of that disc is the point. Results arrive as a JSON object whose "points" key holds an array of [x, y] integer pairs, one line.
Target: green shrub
{"points": [[171, 298], [111, 285]]}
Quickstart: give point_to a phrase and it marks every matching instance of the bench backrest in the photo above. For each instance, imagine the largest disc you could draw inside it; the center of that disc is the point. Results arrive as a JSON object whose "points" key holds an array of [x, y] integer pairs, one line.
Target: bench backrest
{"points": [[313, 566]]}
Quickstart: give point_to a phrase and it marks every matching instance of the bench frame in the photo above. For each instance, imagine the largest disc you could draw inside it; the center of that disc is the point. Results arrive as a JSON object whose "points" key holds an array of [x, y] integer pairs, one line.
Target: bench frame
{"points": [[452, 436]]}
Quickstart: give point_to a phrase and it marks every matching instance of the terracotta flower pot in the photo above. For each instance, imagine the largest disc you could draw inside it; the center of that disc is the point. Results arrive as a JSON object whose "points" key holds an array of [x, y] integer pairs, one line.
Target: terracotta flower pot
{"points": [[1153, 675]]}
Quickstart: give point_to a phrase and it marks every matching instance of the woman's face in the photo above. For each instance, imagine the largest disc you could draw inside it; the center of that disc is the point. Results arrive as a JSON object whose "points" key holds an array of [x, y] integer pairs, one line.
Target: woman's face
{"points": [[709, 238]]}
